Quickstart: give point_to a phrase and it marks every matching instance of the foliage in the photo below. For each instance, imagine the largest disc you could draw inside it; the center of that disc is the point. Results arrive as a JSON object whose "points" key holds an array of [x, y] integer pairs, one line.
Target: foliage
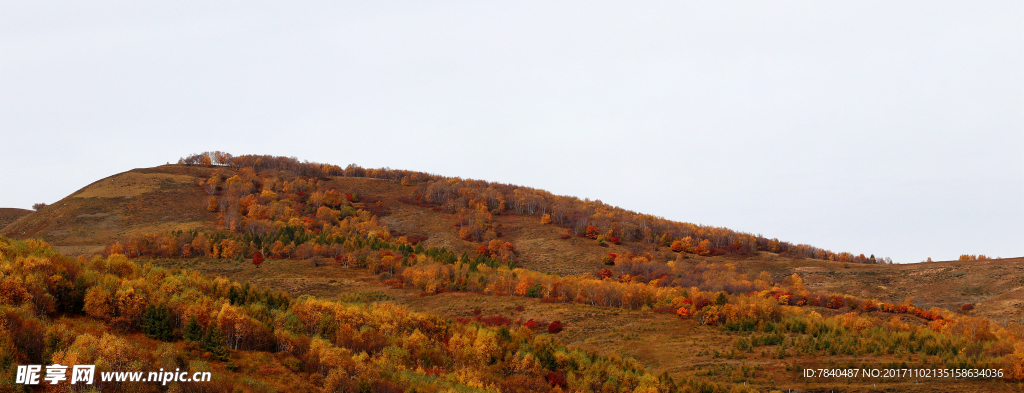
{"points": [[341, 346], [473, 202]]}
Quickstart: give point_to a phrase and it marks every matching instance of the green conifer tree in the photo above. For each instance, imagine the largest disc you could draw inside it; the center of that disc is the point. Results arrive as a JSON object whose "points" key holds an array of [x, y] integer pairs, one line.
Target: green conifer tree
{"points": [[193, 330], [213, 342], [156, 323]]}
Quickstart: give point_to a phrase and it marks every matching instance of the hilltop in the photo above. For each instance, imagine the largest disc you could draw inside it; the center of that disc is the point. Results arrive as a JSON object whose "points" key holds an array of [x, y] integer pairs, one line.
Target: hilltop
{"points": [[137, 201]]}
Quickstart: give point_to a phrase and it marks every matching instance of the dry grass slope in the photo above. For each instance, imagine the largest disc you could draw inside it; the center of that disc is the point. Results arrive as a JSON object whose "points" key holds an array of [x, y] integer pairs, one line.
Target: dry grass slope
{"points": [[9, 215], [138, 201]]}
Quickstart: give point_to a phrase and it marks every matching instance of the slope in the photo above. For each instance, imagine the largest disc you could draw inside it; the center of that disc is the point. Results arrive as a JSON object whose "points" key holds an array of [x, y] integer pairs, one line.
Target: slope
{"points": [[136, 201], [9, 215], [168, 197]]}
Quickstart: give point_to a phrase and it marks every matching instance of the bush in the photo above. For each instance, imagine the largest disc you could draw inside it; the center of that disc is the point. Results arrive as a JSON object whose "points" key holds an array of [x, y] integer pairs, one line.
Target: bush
{"points": [[835, 301], [555, 327]]}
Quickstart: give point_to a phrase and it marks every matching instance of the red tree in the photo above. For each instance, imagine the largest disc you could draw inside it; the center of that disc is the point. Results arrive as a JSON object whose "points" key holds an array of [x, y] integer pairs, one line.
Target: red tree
{"points": [[257, 258]]}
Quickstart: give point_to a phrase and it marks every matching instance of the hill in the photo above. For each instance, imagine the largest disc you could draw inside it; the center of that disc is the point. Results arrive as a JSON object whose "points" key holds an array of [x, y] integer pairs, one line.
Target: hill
{"points": [[741, 309], [169, 198], [137, 201], [994, 288], [9, 215]]}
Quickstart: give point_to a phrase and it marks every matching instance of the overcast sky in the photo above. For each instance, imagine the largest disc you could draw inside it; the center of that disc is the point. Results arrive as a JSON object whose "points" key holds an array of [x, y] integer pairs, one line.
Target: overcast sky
{"points": [[892, 128]]}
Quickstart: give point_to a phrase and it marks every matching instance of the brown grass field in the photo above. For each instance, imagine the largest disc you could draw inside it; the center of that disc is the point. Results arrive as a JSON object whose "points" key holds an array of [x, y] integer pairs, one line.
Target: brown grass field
{"points": [[167, 198]]}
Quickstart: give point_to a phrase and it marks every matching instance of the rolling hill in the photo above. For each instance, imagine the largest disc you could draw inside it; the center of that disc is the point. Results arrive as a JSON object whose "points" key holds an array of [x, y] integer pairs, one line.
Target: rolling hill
{"points": [[144, 213], [9, 215], [168, 197], [136, 201]]}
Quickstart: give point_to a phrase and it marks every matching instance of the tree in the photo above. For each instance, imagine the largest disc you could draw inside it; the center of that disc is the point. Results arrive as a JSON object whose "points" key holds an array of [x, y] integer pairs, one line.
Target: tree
{"points": [[38, 206], [704, 247], [686, 244], [213, 342], [257, 258], [130, 306], [545, 219], [99, 303], [156, 323], [212, 203], [677, 246], [193, 330], [721, 299]]}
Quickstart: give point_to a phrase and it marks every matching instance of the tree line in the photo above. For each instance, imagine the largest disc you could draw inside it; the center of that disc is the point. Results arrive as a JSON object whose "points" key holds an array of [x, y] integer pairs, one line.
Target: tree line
{"points": [[475, 202]]}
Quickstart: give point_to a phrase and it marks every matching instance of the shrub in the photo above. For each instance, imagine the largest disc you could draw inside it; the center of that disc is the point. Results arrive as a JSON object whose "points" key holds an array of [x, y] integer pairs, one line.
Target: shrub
{"points": [[683, 312], [555, 327], [835, 301], [664, 309], [557, 378]]}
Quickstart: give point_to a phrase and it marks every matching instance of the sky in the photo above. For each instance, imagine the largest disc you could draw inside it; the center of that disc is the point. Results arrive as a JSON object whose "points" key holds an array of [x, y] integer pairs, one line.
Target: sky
{"points": [[877, 127]]}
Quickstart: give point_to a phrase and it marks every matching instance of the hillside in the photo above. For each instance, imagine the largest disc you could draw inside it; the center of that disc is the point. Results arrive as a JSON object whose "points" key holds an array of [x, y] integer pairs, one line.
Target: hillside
{"points": [[137, 201], [995, 287], [699, 304], [9, 215], [168, 197]]}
